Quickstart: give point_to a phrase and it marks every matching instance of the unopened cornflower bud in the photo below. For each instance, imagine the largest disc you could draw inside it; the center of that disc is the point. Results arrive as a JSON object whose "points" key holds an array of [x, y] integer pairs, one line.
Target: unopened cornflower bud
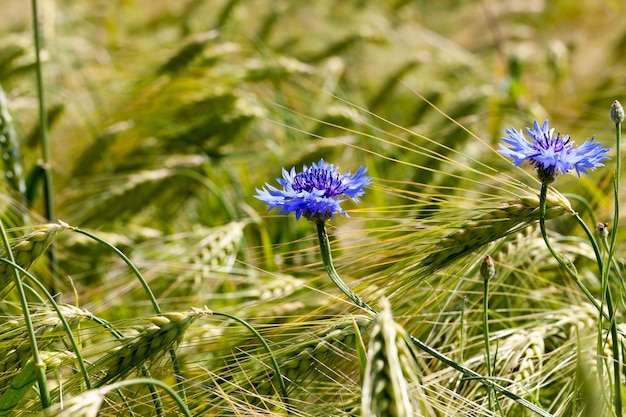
{"points": [[487, 268], [603, 230], [617, 112]]}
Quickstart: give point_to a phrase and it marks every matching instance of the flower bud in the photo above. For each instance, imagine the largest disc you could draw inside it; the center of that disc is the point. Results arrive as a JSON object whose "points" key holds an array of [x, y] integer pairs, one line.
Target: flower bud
{"points": [[487, 268], [603, 230], [617, 112]]}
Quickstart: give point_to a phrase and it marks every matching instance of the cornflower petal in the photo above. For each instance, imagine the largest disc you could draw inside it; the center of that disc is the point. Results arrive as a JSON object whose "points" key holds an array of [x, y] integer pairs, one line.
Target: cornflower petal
{"points": [[316, 192], [552, 154]]}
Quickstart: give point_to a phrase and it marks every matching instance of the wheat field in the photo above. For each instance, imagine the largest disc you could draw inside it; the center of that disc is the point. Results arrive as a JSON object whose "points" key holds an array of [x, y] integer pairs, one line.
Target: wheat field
{"points": [[143, 275]]}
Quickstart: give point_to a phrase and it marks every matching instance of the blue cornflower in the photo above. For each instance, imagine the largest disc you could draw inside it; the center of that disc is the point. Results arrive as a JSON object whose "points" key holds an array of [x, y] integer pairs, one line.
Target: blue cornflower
{"points": [[316, 192], [552, 154]]}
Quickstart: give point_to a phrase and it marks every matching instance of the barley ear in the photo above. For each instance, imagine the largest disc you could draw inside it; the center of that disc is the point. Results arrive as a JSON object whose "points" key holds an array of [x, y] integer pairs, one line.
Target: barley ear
{"points": [[505, 219], [385, 389], [26, 250], [165, 332]]}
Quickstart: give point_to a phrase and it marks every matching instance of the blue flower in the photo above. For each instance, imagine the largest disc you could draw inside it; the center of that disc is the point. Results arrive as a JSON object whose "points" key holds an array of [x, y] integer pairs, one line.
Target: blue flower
{"points": [[552, 154], [316, 192]]}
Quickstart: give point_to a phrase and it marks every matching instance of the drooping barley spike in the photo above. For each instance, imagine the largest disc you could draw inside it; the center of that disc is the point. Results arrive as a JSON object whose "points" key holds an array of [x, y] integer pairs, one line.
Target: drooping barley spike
{"points": [[190, 50], [48, 329], [164, 333], [9, 149], [26, 250], [509, 217], [390, 362]]}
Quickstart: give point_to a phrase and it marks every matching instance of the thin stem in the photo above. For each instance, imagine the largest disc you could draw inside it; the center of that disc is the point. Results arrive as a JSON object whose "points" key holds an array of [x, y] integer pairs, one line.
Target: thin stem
{"points": [[150, 382], [617, 392], [43, 116], [617, 399], [616, 183], [330, 268], [610, 314], [156, 398], [40, 366], [43, 132], [559, 259], [486, 339], [142, 280]]}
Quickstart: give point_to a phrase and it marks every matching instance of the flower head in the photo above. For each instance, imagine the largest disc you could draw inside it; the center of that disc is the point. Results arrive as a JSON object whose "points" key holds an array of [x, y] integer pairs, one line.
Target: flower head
{"points": [[316, 192], [552, 154]]}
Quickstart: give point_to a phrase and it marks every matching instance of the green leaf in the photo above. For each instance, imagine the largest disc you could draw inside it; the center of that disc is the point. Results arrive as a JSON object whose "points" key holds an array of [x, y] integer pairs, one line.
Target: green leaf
{"points": [[360, 348], [21, 384]]}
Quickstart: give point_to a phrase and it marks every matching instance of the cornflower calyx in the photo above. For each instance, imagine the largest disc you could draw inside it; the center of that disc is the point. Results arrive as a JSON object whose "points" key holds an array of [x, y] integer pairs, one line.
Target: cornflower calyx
{"points": [[552, 154], [617, 112], [316, 192]]}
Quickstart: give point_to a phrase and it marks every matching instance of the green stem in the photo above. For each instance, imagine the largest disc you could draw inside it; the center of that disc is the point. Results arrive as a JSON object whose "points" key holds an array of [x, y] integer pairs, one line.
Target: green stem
{"points": [[150, 382], [142, 280], [486, 339], [592, 240], [617, 399], [559, 259], [330, 268], [40, 366], [617, 393], [43, 132], [610, 314], [158, 404], [43, 116], [618, 136]]}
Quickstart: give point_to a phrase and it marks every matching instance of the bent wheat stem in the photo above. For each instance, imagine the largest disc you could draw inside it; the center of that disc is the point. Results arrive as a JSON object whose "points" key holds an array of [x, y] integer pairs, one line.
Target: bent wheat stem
{"points": [[468, 373]]}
